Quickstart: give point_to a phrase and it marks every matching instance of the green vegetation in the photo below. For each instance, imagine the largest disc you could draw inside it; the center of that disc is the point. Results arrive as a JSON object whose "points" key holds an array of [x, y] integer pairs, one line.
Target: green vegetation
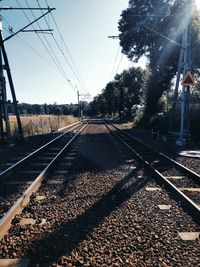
{"points": [[120, 96], [47, 109], [152, 88]]}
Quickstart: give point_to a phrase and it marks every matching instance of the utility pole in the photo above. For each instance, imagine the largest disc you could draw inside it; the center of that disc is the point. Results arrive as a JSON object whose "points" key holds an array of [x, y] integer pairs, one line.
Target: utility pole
{"points": [[4, 119], [79, 107], [175, 97], [185, 95], [80, 111], [4, 65], [184, 67], [5, 111]]}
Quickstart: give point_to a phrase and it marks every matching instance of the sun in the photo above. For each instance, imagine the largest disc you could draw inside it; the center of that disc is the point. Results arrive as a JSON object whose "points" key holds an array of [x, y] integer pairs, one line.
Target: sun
{"points": [[197, 3]]}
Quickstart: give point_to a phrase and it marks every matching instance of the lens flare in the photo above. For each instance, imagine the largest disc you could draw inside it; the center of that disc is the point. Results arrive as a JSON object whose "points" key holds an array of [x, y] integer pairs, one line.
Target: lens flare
{"points": [[197, 3]]}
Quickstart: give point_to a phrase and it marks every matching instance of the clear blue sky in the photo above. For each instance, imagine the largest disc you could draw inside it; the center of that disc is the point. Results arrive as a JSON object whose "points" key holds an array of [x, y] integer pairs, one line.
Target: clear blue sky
{"points": [[85, 25]]}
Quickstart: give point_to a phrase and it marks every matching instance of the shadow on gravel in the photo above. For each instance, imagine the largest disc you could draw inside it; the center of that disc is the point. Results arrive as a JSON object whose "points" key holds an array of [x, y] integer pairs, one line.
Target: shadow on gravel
{"points": [[70, 234], [168, 148], [98, 153]]}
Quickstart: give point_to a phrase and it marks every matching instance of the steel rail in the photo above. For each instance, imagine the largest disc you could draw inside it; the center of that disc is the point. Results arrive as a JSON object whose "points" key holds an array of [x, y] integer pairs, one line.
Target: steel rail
{"points": [[20, 204], [31, 155], [193, 175], [188, 205]]}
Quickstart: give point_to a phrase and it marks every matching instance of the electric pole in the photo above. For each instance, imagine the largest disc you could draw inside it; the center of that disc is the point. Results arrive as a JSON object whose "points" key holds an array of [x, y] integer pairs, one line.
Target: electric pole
{"points": [[79, 107], [86, 96], [4, 119], [185, 95], [4, 65]]}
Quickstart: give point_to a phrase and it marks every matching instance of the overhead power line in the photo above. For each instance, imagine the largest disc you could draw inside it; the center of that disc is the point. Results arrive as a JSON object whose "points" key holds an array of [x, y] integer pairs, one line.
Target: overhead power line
{"points": [[61, 51], [48, 48], [36, 20], [122, 56], [74, 69], [26, 43], [118, 49], [67, 49], [21, 8]]}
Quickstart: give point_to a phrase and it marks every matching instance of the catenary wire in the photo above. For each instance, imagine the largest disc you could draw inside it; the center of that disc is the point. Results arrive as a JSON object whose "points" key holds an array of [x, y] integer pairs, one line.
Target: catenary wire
{"points": [[61, 50], [48, 48], [65, 45], [25, 42], [56, 60], [45, 46], [122, 56], [115, 62], [136, 70]]}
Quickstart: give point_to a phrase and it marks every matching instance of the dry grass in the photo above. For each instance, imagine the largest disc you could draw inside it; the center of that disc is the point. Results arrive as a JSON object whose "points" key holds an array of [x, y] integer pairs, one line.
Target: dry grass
{"points": [[33, 125]]}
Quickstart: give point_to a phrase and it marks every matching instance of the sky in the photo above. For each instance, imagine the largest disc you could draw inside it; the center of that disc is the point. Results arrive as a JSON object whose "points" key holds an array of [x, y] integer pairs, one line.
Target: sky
{"points": [[85, 26]]}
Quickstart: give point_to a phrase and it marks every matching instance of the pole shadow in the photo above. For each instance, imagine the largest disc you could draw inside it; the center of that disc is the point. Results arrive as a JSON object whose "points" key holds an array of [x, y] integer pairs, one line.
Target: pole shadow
{"points": [[69, 234]]}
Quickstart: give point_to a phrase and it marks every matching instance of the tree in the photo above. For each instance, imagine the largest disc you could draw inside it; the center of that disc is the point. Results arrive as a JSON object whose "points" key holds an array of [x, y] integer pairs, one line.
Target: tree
{"points": [[119, 95], [139, 36]]}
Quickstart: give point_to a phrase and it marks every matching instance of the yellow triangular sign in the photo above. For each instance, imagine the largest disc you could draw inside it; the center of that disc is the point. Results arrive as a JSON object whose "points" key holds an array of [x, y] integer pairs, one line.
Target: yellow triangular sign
{"points": [[188, 79]]}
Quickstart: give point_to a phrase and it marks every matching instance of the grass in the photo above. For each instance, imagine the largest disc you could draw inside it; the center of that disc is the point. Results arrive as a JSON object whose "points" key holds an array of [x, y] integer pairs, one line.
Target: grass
{"points": [[41, 124]]}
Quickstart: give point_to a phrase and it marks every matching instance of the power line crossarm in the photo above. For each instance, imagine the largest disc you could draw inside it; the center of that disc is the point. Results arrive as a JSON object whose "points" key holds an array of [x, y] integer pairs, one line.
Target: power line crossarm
{"points": [[12, 35], [23, 8]]}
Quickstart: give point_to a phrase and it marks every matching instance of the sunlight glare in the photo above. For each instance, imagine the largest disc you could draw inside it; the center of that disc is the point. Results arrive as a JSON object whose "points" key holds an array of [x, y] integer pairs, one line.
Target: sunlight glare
{"points": [[197, 2]]}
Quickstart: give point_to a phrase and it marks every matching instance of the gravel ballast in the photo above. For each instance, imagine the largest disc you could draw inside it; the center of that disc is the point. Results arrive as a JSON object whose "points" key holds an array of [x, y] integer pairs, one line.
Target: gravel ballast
{"points": [[101, 214]]}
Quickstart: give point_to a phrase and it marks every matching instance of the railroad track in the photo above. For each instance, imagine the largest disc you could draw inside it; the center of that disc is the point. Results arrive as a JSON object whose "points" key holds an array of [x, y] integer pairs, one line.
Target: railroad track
{"points": [[22, 179], [101, 214], [182, 183]]}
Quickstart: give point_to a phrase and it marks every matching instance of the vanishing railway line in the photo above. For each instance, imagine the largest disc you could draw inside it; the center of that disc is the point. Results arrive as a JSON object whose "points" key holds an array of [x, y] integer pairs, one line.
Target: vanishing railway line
{"points": [[23, 178], [182, 182], [23, 147], [111, 208]]}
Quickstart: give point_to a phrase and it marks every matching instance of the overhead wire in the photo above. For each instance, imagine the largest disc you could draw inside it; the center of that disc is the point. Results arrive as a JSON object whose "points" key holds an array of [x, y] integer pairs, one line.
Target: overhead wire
{"points": [[115, 60], [61, 50], [75, 70], [115, 89], [48, 47], [130, 64], [66, 47], [54, 57], [122, 56], [25, 42]]}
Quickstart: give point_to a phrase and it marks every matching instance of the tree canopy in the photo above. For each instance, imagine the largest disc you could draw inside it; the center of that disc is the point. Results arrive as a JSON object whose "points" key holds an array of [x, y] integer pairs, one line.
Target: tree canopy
{"points": [[144, 28], [119, 95], [153, 29]]}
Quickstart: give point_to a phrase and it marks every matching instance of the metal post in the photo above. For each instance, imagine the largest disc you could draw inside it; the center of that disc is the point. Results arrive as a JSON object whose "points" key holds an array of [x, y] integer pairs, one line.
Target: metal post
{"points": [[79, 108], [184, 131], [5, 110], [113, 100], [4, 125], [175, 97], [11, 85], [1, 120]]}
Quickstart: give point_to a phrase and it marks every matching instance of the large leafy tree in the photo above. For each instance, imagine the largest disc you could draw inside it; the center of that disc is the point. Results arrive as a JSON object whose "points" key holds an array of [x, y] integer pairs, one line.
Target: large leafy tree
{"points": [[144, 26], [119, 95]]}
